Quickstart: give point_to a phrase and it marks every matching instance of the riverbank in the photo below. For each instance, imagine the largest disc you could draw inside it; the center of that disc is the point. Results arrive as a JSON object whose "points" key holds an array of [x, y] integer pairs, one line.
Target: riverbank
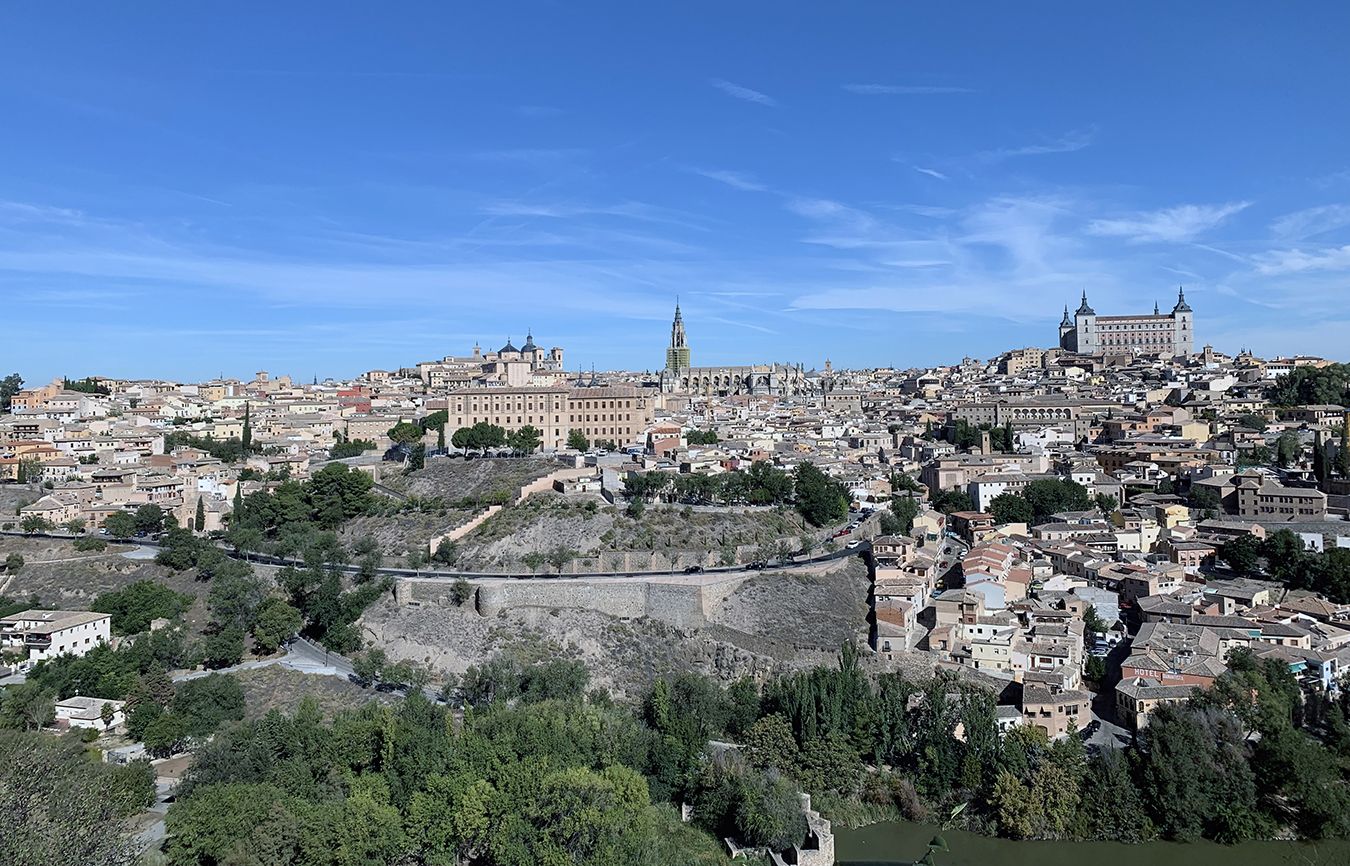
{"points": [[899, 843]]}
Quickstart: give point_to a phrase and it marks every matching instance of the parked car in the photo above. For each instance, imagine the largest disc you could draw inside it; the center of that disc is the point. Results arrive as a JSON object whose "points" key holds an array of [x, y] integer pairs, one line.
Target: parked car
{"points": [[852, 544], [693, 569]]}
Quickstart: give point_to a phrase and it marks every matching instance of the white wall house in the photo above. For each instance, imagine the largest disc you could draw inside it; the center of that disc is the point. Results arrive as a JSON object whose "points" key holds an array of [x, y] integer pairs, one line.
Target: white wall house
{"points": [[47, 634], [82, 711]]}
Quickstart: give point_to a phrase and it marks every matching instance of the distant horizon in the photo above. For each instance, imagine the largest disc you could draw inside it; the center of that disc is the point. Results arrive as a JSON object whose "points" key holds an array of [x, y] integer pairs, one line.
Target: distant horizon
{"points": [[882, 185], [308, 377]]}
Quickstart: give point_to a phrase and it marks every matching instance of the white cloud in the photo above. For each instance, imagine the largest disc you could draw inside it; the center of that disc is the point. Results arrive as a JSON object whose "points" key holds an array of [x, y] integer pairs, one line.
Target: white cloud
{"points": [[738, 180], [903, 89], [1312, 221], [739, 92], [1175, 224], [1297, 261], [931, 172], [1067, 143]]}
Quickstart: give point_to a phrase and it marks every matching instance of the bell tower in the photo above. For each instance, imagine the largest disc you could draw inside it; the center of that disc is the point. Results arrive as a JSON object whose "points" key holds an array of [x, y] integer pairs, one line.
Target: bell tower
{"points": [[677, 353]]}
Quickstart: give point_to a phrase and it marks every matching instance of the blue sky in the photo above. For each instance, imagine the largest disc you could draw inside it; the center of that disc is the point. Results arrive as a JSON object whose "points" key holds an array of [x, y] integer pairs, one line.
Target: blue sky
{"points": [[323, 188]]}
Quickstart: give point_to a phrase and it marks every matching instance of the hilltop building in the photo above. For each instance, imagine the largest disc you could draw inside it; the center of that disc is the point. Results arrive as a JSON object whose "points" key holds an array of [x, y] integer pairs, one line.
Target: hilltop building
{"points": [[1159, 333], [529, 364], [679, 377]]}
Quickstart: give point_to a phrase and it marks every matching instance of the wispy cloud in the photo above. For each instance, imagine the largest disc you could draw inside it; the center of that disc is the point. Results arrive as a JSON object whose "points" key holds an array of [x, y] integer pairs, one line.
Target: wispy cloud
{"points": [[739, 92], [23, 212], [1068, 143], [1312, 221], [740, 323], [1279, 262], [1175, 224], [903, 89], [633, 210], [931, 172], [736, 179]]}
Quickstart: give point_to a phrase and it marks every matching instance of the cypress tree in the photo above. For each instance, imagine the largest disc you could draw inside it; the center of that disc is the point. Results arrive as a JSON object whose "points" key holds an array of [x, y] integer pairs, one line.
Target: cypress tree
{"points": [[200, 522], [1343, 453], [247, 438]]}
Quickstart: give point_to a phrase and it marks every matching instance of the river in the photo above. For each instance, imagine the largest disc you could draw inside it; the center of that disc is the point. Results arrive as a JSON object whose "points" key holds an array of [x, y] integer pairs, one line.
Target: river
{"points": [[900, 843]]}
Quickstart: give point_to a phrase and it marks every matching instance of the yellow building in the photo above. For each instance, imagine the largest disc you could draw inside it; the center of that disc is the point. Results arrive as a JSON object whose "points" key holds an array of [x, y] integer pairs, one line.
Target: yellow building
{"points": [[620, 413]]}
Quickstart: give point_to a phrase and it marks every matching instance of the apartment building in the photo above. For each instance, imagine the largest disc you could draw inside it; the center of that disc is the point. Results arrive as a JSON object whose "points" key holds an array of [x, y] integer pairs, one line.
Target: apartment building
{"points": [[46, 634], [617, 413]]}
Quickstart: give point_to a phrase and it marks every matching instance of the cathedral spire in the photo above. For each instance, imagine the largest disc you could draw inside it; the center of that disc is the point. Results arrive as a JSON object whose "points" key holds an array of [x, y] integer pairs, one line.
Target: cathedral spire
{"points": [[677, 353]]}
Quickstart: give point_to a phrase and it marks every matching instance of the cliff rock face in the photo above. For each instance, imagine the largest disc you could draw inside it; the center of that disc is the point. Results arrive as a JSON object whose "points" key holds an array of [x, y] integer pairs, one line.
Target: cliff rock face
{"points": [[631, 633]]}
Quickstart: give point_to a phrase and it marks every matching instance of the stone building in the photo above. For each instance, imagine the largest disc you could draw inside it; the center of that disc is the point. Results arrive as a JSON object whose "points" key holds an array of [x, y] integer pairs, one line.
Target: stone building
{"points": [[618, 413], [510, 365], [1160, 333], [679, 377]]}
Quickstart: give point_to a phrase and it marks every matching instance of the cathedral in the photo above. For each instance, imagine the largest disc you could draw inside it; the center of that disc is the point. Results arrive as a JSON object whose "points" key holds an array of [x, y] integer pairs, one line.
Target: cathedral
{"points": [[1160, 333], [679, 377]]}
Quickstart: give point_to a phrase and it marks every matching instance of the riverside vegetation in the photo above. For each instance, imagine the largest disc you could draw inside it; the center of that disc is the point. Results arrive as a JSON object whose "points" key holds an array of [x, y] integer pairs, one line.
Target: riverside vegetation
{"points": [[540, 770]]}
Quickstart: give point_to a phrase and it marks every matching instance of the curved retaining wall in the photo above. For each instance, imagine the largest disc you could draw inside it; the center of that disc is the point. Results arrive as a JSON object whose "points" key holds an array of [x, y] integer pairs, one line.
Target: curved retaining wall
{"points": [[676, 604]]}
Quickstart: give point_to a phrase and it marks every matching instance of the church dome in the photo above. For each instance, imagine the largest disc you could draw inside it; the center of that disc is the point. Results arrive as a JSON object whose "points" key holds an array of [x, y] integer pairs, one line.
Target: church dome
{"points": [[507, 348]]}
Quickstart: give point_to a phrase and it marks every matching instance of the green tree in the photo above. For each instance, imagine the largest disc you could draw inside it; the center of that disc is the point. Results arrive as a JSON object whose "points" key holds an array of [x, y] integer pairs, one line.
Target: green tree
{"points": [[223, 648], [405, 433], [770, 744], [1312, 386], [446, 552], [820, 499], [27, 707], [560, 556], [949, 501], [61, 807], [13, 563], [1011, 508], [276, 622], [1343, 451], [577, 441], [1196, 777], [1287, 448], [202, 705], [150, 518], [246, 437], [34, 523], [769, 814], [905, 510], [9, 386], [136, 605], [1241, 553], [417, 458], [30, 471], [1050, 496], [526, 440], [120, 524], [199, 520], [460, 591]]}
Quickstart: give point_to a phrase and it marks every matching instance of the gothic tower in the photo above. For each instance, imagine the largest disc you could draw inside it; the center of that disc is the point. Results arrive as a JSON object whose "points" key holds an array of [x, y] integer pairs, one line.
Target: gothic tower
{"points": [[677, 354]]}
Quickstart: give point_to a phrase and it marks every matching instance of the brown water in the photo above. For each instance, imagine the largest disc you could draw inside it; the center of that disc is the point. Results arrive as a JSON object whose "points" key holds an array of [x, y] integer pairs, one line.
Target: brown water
{"points": [[900, 843]]}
